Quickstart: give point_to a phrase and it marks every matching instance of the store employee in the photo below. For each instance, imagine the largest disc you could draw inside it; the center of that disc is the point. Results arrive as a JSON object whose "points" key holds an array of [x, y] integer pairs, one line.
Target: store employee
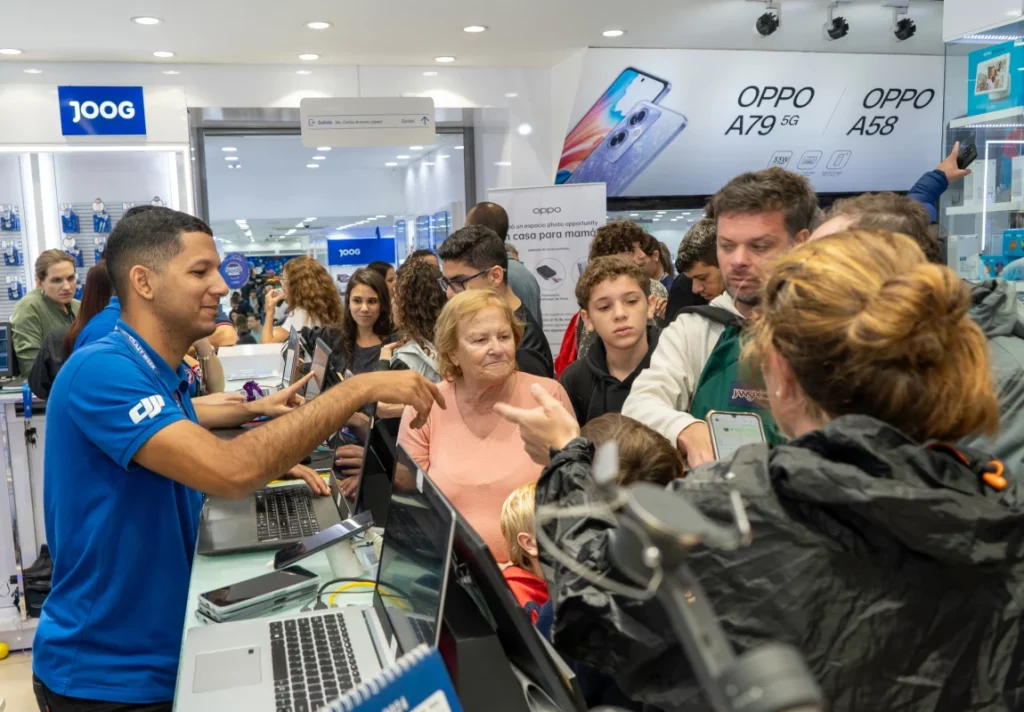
{"points": [[49, 307], [122, 544]]}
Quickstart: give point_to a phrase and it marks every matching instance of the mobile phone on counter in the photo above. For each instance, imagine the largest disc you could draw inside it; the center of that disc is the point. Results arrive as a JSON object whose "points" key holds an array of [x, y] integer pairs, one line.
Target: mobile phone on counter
{"points": [[731, 431], [630, 88], [255, 596], [321, 540]]}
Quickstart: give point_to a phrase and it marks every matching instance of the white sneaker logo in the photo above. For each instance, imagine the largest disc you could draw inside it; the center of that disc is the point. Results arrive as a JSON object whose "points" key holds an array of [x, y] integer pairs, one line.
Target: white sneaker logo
{"points": [[147, 408]]}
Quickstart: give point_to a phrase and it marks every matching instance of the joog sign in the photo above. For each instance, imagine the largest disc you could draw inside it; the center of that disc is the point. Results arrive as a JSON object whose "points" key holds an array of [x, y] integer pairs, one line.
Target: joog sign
{"points": [[102, 111]]}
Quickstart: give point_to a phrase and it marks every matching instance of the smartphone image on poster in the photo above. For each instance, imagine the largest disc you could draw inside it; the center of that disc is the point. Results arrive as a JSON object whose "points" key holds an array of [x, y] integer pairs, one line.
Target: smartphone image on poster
{"points": [[630, 147], [630, 88], [731, 431]]}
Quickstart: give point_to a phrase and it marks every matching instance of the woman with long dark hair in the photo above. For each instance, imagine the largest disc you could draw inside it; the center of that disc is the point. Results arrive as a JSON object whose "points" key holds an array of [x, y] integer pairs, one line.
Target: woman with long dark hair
{"points": [[366, 323], [417, 305], [58, 345]]}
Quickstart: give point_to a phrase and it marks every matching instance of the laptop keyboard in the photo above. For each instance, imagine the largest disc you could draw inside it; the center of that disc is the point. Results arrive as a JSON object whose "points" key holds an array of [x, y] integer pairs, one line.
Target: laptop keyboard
{"points": [[423, 628], [285, 513], [313, 662]]}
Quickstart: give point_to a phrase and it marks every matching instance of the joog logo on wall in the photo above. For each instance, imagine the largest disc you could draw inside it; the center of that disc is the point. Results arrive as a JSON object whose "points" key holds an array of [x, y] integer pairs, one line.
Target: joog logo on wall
{"points": [[102, 111]]}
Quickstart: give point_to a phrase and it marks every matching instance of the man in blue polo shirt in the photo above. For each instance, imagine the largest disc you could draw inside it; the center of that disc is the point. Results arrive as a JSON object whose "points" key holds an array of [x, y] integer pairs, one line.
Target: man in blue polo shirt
{"points": [[123, 481]]}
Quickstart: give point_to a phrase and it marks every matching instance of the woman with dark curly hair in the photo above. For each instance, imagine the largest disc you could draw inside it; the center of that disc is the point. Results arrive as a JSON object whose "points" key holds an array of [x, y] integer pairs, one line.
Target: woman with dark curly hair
{"points": [[418, 304], [312, 300]]}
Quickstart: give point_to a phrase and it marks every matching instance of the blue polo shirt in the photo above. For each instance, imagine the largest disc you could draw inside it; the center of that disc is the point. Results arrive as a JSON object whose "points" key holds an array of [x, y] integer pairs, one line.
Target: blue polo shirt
{"points": [[122, 537], [100, 325]]}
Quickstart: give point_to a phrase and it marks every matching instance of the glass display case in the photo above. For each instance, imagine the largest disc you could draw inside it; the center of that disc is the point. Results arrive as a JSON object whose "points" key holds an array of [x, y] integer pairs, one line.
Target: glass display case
{"points": [[982, 217]]}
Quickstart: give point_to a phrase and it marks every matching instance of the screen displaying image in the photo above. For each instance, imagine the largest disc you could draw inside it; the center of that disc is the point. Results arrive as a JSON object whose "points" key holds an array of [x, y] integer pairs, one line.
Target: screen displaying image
{"points": [[630, 88], [733, 431], [993, 75]]}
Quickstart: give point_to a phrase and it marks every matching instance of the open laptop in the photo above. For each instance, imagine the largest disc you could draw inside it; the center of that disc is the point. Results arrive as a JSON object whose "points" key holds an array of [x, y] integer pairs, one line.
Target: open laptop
{"points": [[323, 377], [303, 661], [291, 360]]}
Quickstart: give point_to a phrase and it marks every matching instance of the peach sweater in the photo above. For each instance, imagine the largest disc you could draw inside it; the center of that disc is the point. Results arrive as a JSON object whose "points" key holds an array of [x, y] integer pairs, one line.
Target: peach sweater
{"points": [[477, 474]]}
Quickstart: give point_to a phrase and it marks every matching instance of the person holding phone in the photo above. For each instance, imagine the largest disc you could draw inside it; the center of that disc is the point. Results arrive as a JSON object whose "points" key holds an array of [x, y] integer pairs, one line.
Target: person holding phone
{"points": [[887, 557], [311, 296]]}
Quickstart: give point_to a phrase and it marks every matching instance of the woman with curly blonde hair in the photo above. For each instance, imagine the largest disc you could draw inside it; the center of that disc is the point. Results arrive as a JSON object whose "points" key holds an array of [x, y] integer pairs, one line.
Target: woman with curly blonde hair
{"points": [[312, 300]]}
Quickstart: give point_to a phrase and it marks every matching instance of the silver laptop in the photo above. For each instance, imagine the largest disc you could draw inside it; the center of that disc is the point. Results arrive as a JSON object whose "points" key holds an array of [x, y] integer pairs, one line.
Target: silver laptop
{"points": [[306, 660]]}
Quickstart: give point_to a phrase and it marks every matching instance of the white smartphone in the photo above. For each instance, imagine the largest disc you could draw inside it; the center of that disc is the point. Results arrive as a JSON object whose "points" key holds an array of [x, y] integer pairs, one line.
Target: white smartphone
{"points": [[731, 431], [245, 597]]}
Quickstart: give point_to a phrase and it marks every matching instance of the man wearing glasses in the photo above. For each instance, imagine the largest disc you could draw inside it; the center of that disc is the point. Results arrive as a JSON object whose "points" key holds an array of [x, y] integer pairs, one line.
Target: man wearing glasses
{"points": [[475, 258]]}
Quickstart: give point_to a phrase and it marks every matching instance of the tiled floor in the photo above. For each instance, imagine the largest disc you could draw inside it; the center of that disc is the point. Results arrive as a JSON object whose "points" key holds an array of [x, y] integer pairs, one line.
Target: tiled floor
{"points": [[16, 683]]}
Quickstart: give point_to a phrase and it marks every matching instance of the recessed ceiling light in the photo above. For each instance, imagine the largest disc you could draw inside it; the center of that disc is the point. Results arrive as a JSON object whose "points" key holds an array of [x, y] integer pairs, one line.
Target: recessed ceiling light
{"points": [[503, 164], [319, 158], [304, 72], [428, 163], [613, 33], [312, 165], [301, 224], [147, 20], [459, 148], [323, 148], [309, 220], [444, 155], [162, 54], [33, 71], [236, 165], [229, 149], [309, 57], [10, 51], [657, 219], [318, 25], [473, 29], [430, 74], [524, 129], [390, 164], [402, 158], [290, 232], [241, 221], [445, 59], [230, 158], [634, 215], [511, 95], [171, 71], [379, 217], [230, 166], [415, 148]]}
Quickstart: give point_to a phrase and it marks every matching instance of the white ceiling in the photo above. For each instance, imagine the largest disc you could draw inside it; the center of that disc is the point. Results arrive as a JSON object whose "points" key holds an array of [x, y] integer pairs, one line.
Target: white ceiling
{"points": [[521, 33]]}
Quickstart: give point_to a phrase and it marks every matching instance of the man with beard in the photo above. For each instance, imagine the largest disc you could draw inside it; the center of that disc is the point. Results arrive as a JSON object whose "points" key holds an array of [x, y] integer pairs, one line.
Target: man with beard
{"points": [[696, 367]]}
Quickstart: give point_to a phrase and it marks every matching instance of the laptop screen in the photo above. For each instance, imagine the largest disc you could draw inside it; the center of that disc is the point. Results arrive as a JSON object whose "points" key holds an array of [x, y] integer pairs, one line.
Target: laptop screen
{"points": [[5, 351], [374, 493], [290, 360], [321, 356], [415, 559]]}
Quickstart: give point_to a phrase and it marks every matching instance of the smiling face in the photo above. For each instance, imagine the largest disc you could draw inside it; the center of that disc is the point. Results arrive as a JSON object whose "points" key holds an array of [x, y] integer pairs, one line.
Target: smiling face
{"points": [[617, 311], [747, 243], [60, 282], [364, 305], [486, 349]]}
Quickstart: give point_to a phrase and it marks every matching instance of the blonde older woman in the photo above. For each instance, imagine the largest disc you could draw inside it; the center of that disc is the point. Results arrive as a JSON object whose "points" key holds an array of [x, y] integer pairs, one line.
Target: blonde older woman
{"points": [[475, 456]]}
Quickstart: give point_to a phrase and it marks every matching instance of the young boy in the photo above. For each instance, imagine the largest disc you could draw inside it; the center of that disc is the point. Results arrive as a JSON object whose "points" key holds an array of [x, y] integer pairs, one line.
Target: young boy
{"points": [[524, 576], [612, 294]]}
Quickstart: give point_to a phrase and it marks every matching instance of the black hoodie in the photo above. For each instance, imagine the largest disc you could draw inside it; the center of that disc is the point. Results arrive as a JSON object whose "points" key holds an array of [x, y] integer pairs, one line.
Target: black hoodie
{"points": [[592, 390]]}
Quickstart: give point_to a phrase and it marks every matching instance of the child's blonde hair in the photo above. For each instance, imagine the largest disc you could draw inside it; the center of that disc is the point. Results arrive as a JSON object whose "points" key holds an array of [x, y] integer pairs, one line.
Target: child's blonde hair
{"points": [[516, 517]]}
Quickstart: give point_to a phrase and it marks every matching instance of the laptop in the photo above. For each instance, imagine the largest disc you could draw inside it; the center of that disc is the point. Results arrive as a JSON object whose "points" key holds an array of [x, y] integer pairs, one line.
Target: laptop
{"points": [[304, 661], [291, 360], [323, 376]]}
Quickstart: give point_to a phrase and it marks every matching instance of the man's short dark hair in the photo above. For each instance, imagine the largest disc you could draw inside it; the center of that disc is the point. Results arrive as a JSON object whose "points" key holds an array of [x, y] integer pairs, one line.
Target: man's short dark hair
{"points": [[148, 237], [137, 209], [477, 246], [617, 238], [422, 253], [771, 190], [489, 215], [889, 212], [700, 244]]}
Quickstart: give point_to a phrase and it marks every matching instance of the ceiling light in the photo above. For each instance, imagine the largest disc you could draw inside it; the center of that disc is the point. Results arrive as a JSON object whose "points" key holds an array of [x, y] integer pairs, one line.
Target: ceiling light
{"points": [[444, 155], [171, 71], [312, 165], [323, 148], [430, 74], [402, 158], [459, 148], [309, 57], [230, 158], [473, 29], [230, 166], [241, 221], [390, 164], [613, 33], [304, 72], [415, 148], [229, 149], [381, 216], [444, 59], [162, 54], [146, 20], [428, 163], [318, 25], [319, 158], [10, 51], [301, 224], [503, 164], [524, 129], [310, 220], [634, 215], [290, 232], [33, 71], [657, 219], [511, 95]]}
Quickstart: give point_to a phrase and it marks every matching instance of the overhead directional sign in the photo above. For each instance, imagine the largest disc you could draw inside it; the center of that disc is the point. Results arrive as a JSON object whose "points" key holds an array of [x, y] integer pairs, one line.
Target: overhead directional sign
{"points": [[389, 121]]}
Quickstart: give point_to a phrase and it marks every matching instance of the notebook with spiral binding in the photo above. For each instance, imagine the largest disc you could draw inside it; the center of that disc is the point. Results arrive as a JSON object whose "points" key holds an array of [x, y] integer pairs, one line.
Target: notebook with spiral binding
{"points": [[418, 682]]}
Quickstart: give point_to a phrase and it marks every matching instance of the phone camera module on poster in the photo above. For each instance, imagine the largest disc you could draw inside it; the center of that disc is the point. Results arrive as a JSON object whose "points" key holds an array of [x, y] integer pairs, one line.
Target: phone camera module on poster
{"points": [[617, 139], [638, 117]]}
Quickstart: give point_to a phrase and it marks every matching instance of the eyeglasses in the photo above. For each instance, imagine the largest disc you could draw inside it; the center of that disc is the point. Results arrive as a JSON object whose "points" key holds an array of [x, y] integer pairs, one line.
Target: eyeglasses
{"points": [[459, 285]]}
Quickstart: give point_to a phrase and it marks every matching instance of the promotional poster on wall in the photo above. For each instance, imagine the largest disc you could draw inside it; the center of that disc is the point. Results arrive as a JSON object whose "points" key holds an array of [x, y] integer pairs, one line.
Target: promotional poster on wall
{"points": [[551, 227], [684, 122]]}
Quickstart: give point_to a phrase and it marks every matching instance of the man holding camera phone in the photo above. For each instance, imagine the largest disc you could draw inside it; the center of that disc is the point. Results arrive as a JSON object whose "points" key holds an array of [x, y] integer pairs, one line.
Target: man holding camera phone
{"points": [[124, 480]]}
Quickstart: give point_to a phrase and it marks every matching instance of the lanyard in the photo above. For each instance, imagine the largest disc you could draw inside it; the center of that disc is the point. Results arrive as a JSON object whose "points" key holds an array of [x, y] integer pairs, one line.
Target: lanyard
{"points": [[149, 361]]}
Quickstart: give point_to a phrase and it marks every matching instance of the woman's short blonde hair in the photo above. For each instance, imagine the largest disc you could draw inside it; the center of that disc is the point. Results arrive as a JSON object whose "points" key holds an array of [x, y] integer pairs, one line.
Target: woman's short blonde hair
{"points": [[459, 310]]}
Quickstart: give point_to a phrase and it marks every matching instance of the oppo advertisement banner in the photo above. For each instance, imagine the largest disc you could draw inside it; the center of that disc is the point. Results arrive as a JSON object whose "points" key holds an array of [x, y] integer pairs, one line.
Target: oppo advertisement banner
{"points": [[551, 227], [684, 122]]}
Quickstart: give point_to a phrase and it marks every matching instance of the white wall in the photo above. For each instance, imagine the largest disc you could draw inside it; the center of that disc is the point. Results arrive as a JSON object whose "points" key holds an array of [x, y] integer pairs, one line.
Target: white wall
{"points": [[120, 177], [964, 17], [428, 189]]}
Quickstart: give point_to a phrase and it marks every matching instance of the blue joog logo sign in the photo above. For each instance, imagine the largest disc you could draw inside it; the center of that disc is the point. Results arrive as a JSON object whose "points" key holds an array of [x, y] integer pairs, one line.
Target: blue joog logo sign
{"points": [[102, 111], [360, 252], [235, 270]]}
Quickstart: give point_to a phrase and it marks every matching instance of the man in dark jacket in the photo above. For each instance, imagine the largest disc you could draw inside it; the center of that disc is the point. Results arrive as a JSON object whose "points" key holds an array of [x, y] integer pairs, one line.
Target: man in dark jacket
{"points": [[612, 293]]}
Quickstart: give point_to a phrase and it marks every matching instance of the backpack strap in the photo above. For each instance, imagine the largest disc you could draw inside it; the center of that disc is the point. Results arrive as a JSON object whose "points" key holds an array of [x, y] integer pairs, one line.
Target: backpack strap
{"points": [[715, 314]]}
